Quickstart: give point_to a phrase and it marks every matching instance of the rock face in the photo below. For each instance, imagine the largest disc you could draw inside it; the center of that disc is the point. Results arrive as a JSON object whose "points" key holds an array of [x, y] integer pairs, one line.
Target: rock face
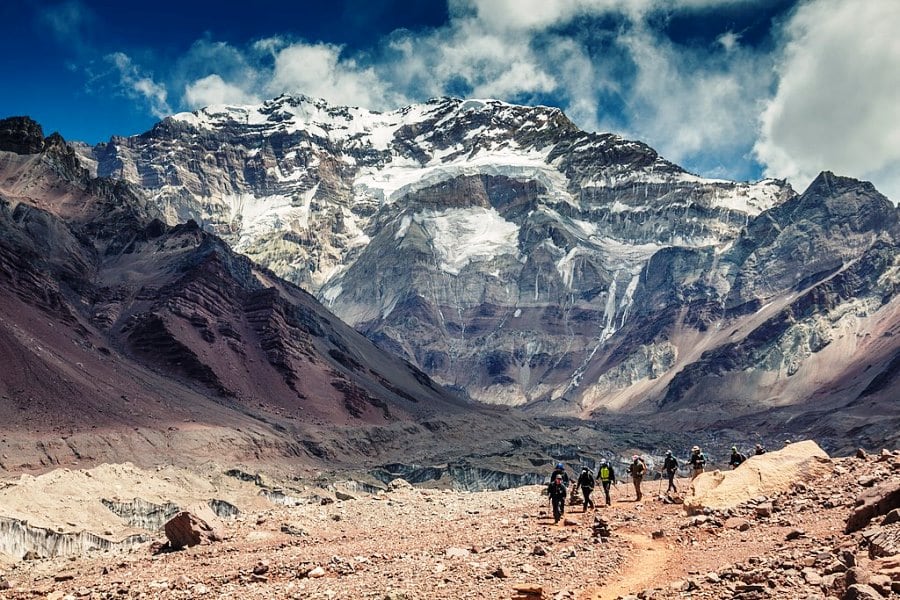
{"points": [[764, 475], [506, 253], [122, 337]]}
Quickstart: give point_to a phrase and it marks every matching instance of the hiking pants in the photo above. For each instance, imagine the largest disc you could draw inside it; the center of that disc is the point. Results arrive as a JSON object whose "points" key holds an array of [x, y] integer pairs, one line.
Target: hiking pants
{"points": [[559, 507], [586, 492], [606, 485], [697, 471], [671, 488], [637, 485]]}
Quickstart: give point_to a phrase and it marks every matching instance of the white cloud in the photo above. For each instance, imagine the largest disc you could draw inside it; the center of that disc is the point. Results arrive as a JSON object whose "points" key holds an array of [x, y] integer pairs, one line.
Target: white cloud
{"points": [[135, 84], [695, 106], [212, 89], [318, 70], [837, 105]]}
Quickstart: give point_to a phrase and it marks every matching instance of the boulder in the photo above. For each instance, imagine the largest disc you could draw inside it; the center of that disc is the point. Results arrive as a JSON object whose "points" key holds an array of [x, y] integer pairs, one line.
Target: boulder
{"points": [[186, 529], [860, 591], [872, 503], [884, 541], [760, 475]]}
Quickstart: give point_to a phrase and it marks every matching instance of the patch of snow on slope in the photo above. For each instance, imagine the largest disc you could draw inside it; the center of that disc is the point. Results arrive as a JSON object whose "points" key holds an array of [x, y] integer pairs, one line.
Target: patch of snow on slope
{"points": [[258, 217], [400, 178], [464, 235], [405, 222], [628, 257], [751, 199]]}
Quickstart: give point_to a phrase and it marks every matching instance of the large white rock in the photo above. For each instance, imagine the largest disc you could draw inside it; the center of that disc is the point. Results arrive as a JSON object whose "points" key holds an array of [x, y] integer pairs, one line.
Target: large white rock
{"points": [[763, 475]]}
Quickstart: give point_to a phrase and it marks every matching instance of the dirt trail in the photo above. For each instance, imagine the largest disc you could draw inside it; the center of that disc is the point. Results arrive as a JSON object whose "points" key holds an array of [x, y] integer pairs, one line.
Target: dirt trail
{"points": [[643, 568]]}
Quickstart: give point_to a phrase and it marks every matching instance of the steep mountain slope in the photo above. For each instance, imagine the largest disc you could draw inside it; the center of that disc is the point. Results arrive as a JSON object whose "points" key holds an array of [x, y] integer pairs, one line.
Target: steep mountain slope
{"points": [[508, 254], [124, 338]]}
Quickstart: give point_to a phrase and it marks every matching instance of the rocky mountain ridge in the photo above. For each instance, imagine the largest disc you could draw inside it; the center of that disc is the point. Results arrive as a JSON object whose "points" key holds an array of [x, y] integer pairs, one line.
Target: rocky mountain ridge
{"points": [[123, 338], [522, 261]]}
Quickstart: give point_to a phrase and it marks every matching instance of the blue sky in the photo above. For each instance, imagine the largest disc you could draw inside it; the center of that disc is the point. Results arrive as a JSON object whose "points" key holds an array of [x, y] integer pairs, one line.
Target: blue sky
{"points": [[728, 88]]}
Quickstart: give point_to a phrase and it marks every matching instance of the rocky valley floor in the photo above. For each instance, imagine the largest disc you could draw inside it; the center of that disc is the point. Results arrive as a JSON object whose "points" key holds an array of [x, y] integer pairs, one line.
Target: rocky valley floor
{"points": [[415, 543]]}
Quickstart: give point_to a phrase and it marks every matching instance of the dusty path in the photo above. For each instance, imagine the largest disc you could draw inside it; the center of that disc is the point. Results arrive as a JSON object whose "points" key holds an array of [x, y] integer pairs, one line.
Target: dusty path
{"points": [[643, 568]]}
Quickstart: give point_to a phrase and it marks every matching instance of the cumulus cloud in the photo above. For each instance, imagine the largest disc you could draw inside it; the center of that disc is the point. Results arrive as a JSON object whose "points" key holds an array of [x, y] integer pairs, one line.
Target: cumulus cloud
{"points": [[319, 70], [136, 84], [695, 106], [212, 89], [837, 104]]}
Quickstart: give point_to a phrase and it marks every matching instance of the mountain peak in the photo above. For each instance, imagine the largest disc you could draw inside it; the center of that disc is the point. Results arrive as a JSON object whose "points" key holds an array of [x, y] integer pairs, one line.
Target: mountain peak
{"points": [[22, 135]]}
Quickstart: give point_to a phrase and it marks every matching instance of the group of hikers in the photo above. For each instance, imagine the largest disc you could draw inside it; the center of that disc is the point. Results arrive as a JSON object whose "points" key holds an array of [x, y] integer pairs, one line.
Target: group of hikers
{"points": [[559, 479]]}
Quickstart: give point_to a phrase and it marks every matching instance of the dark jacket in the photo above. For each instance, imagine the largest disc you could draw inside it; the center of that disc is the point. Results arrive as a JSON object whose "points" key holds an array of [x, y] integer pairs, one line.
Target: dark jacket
{"points": [[556, 490], [736, 459], [586, 480], [697, 460], [670, 464], [565, 476]]}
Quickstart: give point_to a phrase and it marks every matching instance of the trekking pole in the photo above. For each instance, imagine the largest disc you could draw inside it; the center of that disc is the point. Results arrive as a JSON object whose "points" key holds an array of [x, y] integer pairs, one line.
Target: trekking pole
{"points": [[659, 493]]}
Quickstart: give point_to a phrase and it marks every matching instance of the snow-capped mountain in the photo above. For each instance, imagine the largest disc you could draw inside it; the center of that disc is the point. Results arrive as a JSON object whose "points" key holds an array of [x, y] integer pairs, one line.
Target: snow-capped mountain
{"points": [[507, 253]]}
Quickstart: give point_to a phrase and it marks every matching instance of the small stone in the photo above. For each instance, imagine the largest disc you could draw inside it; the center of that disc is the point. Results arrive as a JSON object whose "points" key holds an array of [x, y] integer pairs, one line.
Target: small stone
{"points": [[316, 573], [812, 577], [500, 572], [529, 589], [199, 589], [456, 553], [857, 575], [794, 534], [737, 523], [539, 551], [867, 481], [261, 568], [764, 510]]}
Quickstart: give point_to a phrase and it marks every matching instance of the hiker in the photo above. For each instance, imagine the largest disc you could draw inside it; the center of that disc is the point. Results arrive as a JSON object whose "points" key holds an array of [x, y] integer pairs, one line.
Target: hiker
{"points": [[557, 492], [586, 483], [670, 466], [636, 469], [607, 477], [560, 470], [760, 449], [697, 461], [736, 458]]}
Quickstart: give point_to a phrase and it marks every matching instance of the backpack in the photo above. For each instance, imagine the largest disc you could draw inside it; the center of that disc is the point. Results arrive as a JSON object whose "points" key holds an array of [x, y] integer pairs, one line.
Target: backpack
{"points": [[605, 473], [588, 479], [638, 468]]}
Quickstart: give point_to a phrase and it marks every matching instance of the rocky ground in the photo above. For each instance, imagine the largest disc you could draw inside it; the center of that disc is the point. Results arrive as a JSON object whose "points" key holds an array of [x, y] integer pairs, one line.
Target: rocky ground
{"points": [[406, 542]]}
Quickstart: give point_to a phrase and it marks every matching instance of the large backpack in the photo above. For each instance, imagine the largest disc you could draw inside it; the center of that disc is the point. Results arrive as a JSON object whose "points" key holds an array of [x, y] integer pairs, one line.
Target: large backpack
{"points": [[638, 468], [605, 473]]}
